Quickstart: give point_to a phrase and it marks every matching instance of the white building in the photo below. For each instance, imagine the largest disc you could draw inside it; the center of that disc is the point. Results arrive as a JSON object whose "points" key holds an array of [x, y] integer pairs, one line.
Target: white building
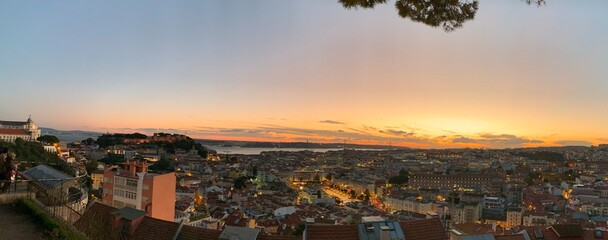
{"points": [[412, 204], [11, 130]]}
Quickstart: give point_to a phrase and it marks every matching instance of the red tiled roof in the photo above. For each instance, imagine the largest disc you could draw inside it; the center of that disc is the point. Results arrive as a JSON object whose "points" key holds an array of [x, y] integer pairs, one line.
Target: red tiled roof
{"points": [[473, 228], [510, 237], [568, 230], [190, 232], [13, 131], [329, 232], [152, 228], [590, 234], [427, 229], [96, 222], [277, 237]]}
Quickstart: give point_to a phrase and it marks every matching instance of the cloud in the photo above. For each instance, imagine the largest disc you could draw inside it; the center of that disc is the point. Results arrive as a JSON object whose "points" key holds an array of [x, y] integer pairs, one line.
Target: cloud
{"points": [[331, 122], [398, 132], [364, 134], [496, 140], [273, 118], [573, 143], [464, 140]]}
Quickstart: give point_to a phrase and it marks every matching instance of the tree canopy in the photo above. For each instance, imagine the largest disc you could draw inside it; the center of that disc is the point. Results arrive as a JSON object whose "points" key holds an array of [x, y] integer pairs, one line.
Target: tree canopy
{"points": [[179, 142], [400, 179], [447, 14], [50, 139], [91, 166], [239, 183], [29, 151]]}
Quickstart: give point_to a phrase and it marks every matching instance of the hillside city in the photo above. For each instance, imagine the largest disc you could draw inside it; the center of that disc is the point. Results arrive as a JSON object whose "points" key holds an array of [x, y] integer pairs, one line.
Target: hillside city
{"points": [[169, 186]]}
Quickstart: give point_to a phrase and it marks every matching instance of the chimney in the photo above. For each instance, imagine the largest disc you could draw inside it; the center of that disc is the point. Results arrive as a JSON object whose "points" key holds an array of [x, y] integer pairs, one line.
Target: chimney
{"points": [[385, 233], [132, 166]]}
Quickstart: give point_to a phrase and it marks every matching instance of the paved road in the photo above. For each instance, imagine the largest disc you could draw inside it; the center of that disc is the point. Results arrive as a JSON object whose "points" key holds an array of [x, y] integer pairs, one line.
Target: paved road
{"points": [[18, 224], [343, 197]]}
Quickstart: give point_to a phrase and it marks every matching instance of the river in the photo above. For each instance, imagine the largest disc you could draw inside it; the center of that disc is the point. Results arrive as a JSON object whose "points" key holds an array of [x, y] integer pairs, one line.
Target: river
{"points": [[256, 151]]}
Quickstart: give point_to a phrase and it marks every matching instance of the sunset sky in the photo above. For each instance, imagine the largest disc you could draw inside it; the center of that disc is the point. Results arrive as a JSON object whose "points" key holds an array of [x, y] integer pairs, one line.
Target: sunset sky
{"points": [[296, 70]]}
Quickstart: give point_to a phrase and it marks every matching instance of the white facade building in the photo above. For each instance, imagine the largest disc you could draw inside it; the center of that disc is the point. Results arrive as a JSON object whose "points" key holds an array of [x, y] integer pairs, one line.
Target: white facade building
{"points": [[11, 130]]}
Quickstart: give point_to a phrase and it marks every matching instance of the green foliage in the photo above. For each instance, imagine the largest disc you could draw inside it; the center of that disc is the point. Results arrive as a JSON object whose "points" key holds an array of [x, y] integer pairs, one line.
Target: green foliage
{"points": [[454, 198], [569, 175], [254, 171], [532, 176], [186, 144], [162, 165], [50, 139], [113, 159], [400, 179], [55, 229], [239, 183], [91, 166], [88, 141], [108, 140], [198, 217], [329, 176], [29, 151]]}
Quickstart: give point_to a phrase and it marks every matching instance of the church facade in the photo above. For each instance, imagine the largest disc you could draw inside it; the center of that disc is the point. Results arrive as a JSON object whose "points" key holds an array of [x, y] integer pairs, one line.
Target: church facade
{"points": [[11, 130]]}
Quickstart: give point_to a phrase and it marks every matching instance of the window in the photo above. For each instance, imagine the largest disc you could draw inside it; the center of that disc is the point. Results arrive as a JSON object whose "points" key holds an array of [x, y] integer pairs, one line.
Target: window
{"points": [[119, 192], [130, 195], [131, 183], [119, 180]]}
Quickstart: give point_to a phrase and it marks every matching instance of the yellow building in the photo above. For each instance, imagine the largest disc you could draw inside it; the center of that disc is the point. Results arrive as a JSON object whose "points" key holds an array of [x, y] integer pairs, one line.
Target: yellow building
{"points": [[96, 179]]}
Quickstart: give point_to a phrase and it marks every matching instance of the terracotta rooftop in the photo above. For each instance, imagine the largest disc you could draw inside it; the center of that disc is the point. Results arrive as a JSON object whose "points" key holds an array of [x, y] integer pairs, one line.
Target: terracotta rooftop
{"points": [[13, 131], [331, 232], [568, 230], [189, 232], [153, 228], [510, 237], [427, 229], [275, 237], [96, 222]]}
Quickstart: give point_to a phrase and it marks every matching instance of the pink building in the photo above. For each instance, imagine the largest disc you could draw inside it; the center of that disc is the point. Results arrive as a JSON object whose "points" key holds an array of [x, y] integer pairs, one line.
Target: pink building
{"points": [[132, 186]]}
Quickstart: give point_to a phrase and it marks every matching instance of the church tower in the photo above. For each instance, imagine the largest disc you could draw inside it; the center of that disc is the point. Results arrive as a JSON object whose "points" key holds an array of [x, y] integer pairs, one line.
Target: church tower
{"points": [[31, 127]]}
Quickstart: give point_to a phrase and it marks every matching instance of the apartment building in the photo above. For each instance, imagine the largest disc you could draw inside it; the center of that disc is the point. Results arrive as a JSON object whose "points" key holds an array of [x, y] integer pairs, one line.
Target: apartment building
{"points": [[132, 186]]}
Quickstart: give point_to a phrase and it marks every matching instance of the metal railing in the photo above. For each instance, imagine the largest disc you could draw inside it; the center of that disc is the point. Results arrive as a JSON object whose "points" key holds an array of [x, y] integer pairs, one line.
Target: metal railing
{"points": [[65, 199]]}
